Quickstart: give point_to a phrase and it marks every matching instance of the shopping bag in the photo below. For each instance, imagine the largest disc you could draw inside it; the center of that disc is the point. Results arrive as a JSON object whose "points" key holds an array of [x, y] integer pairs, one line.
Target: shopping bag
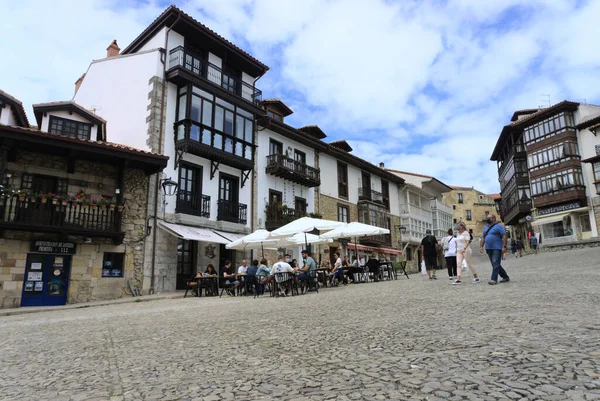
{"points": [[423, 268], [464, 268]]}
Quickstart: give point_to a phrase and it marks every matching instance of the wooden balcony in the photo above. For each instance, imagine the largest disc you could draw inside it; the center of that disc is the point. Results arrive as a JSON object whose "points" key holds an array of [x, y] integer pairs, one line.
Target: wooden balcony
{"points": [[278, 216], [192, 203], [563, 195], [180, 60], [232, 212], [511, 214], [377, 240], [66, 218], [289, 169], [368, 194]]}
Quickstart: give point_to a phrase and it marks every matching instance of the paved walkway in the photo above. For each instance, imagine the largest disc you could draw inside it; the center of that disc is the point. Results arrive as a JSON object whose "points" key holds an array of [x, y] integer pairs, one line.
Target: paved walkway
{"points": [[536, 338]]}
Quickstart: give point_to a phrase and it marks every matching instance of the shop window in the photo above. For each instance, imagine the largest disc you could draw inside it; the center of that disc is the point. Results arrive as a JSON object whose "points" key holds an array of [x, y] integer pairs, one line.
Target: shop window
{"points": [[112, 265]]}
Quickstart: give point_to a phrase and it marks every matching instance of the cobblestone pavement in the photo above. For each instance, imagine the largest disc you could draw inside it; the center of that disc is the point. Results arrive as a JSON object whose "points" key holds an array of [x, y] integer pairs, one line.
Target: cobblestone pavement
{"points": [[535, 338]]}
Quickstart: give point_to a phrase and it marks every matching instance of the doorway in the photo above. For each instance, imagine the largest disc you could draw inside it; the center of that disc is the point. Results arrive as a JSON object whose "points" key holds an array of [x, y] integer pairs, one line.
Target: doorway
{"points": [[46, 280]]}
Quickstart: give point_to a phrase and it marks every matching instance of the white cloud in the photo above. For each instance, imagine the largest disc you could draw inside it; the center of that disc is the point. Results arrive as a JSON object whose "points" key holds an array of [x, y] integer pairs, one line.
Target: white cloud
{"points": [[422, 86]]}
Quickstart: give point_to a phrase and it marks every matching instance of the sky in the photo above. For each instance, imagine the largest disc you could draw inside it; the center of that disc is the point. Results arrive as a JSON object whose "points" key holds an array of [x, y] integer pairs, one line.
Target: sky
{"points": [[423, 86]]}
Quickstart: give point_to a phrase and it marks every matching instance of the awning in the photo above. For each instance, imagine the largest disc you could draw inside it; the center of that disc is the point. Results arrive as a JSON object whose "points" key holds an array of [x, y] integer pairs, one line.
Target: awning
{"points": [[192, 233], [553, 218], [230, 236]]}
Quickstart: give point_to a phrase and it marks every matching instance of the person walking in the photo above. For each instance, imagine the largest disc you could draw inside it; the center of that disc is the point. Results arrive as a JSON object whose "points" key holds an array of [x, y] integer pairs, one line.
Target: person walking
{"points": [[463, 252], [429, 247], [494, 242], [449, 247], [520, 247], [533, 242]]}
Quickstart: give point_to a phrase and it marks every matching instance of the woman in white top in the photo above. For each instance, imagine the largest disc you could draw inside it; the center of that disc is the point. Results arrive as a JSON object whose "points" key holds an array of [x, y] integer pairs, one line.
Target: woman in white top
{"points": [[463, 252], [449, 246]]}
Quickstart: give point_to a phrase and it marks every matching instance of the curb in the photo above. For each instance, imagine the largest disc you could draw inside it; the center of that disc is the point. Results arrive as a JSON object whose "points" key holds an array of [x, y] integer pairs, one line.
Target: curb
{"points": [[144, 298]]}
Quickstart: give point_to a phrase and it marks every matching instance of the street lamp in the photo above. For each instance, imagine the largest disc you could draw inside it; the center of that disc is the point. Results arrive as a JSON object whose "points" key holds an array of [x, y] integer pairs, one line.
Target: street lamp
{"points": [[402, 230], [169, 186]]}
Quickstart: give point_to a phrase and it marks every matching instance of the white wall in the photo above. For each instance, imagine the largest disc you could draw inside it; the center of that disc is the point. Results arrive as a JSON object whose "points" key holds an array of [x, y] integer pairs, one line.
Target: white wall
{"points": [[72, 116], [7, 116], [118, 89], [266, 181]]}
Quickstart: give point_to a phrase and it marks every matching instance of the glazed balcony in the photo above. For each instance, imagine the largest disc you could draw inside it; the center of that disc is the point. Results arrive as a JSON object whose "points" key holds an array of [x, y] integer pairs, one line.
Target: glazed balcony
{"points": [[193, 203], [180, 60], [512, 213], [559, 196], [232, 212], [287, 168], [278, 216], [55, 216]]}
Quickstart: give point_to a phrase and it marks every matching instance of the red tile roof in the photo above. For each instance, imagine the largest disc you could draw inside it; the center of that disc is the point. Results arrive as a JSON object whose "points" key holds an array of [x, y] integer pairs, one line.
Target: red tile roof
{"points": [[343, 145], [20, 110], [495, 196], [199, 25]]}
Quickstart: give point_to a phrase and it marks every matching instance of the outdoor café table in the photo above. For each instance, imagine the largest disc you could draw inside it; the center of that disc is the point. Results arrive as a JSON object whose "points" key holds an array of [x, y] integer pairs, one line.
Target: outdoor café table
{"points": [[387, 266], [212, 280]]}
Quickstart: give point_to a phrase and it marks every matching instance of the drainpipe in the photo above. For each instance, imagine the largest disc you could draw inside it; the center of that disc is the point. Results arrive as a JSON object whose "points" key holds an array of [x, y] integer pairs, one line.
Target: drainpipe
{"points": [[160, 141]]}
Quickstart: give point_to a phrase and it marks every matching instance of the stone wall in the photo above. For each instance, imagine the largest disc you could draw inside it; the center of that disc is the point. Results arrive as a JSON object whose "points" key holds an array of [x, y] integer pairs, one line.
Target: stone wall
{"points": [[588, 243], [595, 201], [86, 282]]}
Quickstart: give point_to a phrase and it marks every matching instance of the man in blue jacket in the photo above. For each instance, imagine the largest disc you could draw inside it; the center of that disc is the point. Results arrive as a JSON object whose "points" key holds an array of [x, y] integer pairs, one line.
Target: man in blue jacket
{"points": [[494, 241]]}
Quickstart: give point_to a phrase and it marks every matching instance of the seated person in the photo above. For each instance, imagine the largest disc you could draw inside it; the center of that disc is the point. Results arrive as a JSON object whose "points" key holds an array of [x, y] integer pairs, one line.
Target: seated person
{"points": [[337, 271], [373, 266], [282, 267], [352, 269], [289, 261], [228, 278], [309, 265], [263, 274], [208, 285]]}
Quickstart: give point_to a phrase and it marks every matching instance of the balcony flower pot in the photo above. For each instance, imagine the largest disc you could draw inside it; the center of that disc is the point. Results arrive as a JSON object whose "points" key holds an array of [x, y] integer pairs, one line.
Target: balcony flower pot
{"points": [[93, 206], [64, 202], [112, 206], [44, 199], [54, 201], [120, 208], [103, 206]]}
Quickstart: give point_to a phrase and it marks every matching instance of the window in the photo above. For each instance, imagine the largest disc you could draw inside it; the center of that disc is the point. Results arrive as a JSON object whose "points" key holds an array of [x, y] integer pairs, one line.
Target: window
{"points": [[385, 190], [455, 221], [185, 259], [62, 186], [596, 167], [189, 194], [275, 147], [480, 197], [214, 122], [549, 127], [453, 207], [487, 214], [342, 173], [584, 221], [460, 197], [552, 155], [300, 205], [275, 116], [45, 184], [561, 181], [112, 265], [299, 156], [70, 128], [343, 213], [468, 215]]}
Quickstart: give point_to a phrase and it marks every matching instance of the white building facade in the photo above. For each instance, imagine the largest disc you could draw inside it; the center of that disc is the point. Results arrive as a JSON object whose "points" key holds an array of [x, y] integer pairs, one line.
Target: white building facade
{"points": [[181, 90]]}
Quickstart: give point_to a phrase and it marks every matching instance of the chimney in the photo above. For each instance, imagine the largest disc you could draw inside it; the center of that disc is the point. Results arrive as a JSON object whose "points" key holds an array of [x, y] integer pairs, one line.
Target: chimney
{"points": [[381, 165], [78, 82], [113, 49]]}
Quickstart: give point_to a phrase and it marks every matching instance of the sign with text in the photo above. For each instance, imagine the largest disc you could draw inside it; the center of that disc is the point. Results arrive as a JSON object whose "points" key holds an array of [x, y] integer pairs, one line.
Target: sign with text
{"points": [[559, 208], [57, 247]]}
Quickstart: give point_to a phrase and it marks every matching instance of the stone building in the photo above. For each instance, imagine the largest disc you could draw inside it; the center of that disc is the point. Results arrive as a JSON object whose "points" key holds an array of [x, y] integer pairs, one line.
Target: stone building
{"points": [[73, 208], [471, 207]]}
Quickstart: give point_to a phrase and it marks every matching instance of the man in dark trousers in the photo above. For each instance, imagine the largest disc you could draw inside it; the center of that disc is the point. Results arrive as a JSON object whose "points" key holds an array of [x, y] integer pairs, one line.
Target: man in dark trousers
{"points": [[429, 247]]}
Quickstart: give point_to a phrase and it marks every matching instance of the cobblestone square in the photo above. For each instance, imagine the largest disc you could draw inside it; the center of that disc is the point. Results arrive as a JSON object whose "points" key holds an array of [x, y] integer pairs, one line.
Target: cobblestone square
{"points": [[535, 338]]}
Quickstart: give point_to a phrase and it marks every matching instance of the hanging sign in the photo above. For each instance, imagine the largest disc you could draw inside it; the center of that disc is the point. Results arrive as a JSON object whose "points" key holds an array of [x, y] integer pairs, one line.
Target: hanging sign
{"points": [[559, 208], [57, 247]]}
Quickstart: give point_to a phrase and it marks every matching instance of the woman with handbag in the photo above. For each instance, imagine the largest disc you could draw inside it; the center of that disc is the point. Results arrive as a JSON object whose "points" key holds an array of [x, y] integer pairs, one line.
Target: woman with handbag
{"points": [[449, 247], [463, 252]]}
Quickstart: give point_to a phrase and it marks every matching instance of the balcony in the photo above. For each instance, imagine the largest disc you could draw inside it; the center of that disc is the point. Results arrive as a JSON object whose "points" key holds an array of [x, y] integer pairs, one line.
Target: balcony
{"points": [[67, 218], [576, 192], [199, 140], [377, 240], [293, 170], [232, 212], [180, 60], [193, 203], [512, 213], [368, 194], [278, 216]]}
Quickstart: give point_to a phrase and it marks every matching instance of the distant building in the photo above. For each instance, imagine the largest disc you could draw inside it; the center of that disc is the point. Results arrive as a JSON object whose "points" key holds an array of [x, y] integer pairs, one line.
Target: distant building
{"points": [[471, 207], [544, 185]]}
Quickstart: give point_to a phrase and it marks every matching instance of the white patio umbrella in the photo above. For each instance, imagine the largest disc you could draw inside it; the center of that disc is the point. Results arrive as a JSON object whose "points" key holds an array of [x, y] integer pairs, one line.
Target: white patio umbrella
{"points": [[303, 238], [354, 230], [258, 237], [305, 225]]}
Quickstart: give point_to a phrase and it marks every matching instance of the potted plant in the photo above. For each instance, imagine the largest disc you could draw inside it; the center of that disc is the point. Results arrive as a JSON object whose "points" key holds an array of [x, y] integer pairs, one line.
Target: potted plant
{"points": [[102, 203], [94, 203], [316, 215], [43, 197], [53, 197], [120, 208], [21, 195], [111, 205], [64, 200]]}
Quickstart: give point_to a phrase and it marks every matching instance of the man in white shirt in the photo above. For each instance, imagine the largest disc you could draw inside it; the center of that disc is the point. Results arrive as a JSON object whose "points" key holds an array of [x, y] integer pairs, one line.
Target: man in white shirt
{"points": [[282, 267], [243, 269]]}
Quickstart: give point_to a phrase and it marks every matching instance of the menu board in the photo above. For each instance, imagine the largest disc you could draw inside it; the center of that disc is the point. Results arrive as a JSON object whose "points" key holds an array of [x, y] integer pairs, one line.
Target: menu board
{"points": [[34, 276]]}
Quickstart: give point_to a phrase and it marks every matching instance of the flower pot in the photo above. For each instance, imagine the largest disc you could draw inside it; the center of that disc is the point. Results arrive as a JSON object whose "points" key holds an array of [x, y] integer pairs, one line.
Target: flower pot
{"points": [[54, 201], [120, 208], [112, 207], [64, 203], [44, 200], [103, 207], [32, 200], [21, 198], [94, 206]]}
